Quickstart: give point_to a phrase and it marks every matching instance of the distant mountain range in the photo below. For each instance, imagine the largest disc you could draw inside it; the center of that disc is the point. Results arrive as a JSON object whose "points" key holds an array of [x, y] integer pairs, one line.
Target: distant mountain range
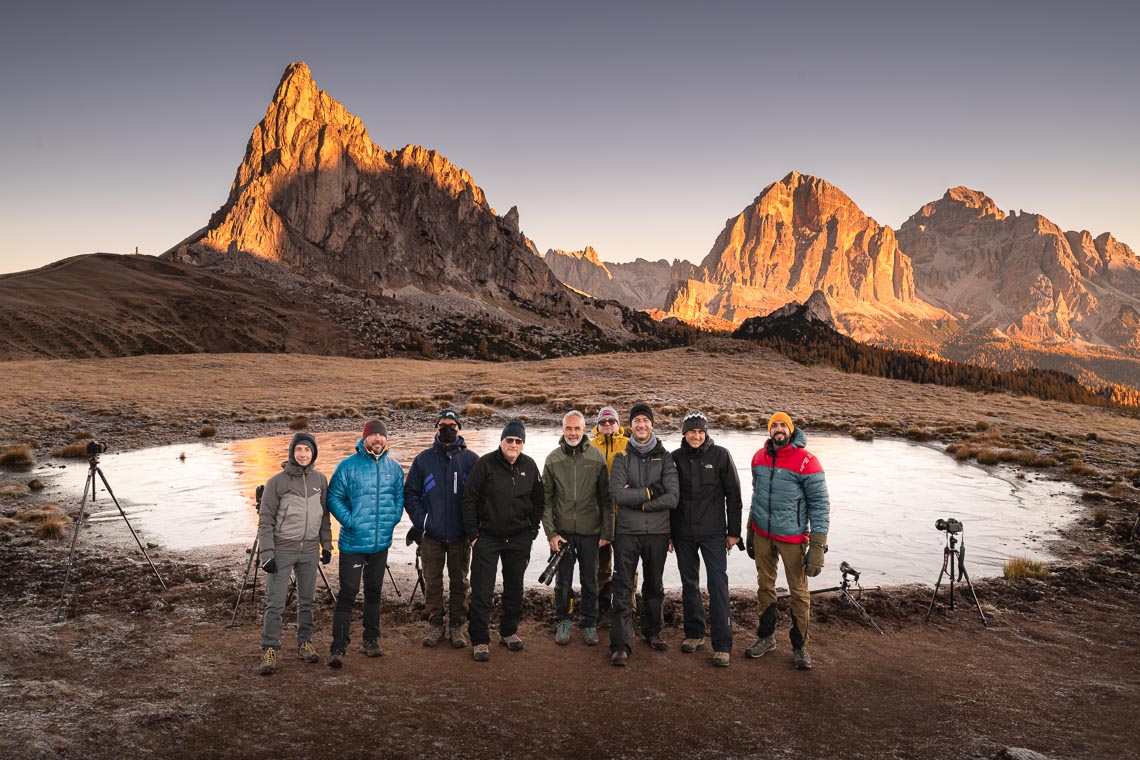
{"points": [[328, 243]]}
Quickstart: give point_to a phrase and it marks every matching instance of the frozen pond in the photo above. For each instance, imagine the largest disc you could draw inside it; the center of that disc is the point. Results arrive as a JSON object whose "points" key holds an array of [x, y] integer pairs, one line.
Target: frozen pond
{"points": [[885, 497]]}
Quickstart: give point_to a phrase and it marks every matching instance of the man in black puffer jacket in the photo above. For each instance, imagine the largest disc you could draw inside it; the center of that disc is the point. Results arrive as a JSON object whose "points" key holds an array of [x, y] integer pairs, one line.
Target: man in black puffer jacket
{"points": [[706, 521], [644, 485]]}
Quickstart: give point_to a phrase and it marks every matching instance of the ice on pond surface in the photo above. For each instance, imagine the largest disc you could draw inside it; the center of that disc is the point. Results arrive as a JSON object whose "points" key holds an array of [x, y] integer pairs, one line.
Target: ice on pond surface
{"points": [[885, 498]]}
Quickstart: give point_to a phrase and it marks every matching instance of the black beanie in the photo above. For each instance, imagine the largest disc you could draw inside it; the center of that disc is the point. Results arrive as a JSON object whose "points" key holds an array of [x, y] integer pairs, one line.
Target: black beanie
{"points": [[305, 438], [514, 428], [694, 420], [641, 409], [375, 426], [448, 414]]}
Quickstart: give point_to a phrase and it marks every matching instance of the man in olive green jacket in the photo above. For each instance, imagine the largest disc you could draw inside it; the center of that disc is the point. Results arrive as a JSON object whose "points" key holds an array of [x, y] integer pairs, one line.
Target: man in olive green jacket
{"points": [[578, 511]]}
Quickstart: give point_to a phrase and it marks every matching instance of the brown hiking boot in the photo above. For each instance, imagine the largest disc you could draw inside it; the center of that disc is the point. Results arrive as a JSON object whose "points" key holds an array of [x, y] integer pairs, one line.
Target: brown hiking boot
{"points": [[688, 646], [762, 646], [434, 635], [722, 659], [268, 661], [458, 640], [307, 653], [372, 648], [619, 658], [657, 642]]}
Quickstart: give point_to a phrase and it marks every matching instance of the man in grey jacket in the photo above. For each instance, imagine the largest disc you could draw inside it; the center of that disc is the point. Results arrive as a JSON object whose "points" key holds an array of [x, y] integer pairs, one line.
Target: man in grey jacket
{"points": [[292, 524], [644, 485]]}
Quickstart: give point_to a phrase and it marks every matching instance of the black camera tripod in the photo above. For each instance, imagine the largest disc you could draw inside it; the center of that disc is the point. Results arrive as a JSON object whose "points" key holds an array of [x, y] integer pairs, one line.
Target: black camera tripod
{"points": [[851, 575], [950, 553], [89, 489]]}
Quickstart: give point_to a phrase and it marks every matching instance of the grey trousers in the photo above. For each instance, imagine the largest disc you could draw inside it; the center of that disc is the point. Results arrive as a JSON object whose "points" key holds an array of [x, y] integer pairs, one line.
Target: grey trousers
{"points": [[277, 590]]}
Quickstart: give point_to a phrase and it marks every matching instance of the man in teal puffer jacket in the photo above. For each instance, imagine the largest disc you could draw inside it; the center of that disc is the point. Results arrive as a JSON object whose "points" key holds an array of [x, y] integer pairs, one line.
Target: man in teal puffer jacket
{"points": [[366, 496], [790, 511]]}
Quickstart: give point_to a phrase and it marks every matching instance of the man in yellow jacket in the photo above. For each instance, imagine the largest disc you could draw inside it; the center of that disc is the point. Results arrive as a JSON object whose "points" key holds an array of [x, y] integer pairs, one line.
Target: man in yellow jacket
{"points": [[609, 437]]}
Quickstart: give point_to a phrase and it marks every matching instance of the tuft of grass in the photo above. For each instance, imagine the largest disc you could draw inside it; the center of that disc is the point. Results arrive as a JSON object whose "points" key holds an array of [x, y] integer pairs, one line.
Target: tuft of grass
{"points": [[981, 426], [1079, 468], [916, 433], [83, 435], [533, 398], [863, 434], [15, 490], [40, 513], [207, 431], [477, 411], [17, 456], [7, 524], [410, 402], [300, 422], [989, 456], [35, 484], [1016, 568], [182, 456], [1100, 517], [72, 451], [52, 528]]}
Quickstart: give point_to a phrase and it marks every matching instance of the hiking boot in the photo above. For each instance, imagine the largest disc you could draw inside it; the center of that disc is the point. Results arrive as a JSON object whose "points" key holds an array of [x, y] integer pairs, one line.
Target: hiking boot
{"points": [[307, 653], [481, 652], [512, 642], [722, 659], [657, 642], [761, 646], [619, 658], [458, 640], [335, 660], [372, 648], [590, 635], [688, 646], [268, 661], [562, 635], [801, 658], [435, 635]]}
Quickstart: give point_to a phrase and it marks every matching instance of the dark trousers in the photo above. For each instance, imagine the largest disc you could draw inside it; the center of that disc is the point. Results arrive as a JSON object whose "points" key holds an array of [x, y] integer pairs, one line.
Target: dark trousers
{"points": [[456, 555], [716, 566], [353, 567], [485, 556], [628, 549], [584, 550]]}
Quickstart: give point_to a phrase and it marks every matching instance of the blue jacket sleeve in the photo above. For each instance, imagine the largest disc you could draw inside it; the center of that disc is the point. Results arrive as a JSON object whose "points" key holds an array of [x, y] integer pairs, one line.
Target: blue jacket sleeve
{"points": [[413, 494], [339, 504], [818, 503]]}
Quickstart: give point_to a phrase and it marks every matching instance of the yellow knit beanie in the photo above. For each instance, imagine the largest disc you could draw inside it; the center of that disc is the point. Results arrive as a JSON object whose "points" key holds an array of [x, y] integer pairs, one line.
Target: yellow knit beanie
{"points": [[781, 417]]}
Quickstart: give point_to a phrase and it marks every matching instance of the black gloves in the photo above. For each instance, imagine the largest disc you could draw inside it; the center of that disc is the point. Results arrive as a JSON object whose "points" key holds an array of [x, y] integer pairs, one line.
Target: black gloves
{"points": [[326, 556], [655, 490], [269, 566], [415, 535], [748, 545]]}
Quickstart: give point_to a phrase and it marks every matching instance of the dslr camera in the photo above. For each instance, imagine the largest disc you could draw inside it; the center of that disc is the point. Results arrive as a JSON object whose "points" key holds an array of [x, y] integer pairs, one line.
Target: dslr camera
{"points": [[950, 525], [95, 448]]}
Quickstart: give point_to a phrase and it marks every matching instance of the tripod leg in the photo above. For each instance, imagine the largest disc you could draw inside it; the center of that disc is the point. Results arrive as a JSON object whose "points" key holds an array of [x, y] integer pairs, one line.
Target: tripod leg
{"points": [[132, 530], [328, 589], [866, 615], [393, 579], [970, 585], [292, 589], [945, 558], [89, 486], [253, 552]]}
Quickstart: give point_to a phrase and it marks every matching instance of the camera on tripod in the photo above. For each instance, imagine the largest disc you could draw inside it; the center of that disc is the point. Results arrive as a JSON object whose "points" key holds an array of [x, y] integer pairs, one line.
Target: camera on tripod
{"points": [[95, 448], [846, 569], [950, 525]]}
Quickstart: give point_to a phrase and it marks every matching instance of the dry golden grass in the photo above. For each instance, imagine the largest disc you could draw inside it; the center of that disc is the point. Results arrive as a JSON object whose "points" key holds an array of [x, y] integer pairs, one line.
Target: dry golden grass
{"points": [[1078, 468], [207, 431], [1016, 568], [72, 451], [40, 513], [1100, 517], [83, 435], [53, 528], [7, 524], [476, 411], [13, 491], [17, 456], [299, 422]]}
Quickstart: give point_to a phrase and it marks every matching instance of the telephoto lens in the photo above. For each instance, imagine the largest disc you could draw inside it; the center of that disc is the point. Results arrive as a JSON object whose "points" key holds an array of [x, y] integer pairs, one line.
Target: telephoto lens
{"points": [[95, 448]]}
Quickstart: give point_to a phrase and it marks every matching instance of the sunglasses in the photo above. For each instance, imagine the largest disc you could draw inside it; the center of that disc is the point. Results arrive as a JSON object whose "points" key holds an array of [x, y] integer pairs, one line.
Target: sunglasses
{"points": [[513, 441], [603, 423]]}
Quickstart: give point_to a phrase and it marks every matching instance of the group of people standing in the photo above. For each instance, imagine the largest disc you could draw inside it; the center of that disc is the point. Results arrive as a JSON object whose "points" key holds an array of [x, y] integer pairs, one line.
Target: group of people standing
{"points": [[610, 500]]}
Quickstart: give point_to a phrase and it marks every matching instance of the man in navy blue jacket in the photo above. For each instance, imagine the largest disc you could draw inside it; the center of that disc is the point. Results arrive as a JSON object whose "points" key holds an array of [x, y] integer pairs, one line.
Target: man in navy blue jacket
{"points": [[366, 496], [433, 499]]}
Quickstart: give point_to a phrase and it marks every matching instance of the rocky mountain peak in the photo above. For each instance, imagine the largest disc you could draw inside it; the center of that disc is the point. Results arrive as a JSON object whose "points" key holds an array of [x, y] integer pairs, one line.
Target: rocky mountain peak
{"points": [[315, 194], [800, 235]]}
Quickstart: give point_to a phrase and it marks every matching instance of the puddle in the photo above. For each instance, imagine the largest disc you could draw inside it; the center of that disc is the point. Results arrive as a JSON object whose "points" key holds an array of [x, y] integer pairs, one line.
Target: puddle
{"points": [[885, 497]]}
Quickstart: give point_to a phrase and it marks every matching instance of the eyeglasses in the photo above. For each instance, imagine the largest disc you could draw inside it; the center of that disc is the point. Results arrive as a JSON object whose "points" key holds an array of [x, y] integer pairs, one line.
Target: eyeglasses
{"points": [[603, 423], [513, 441], [451, 425]]}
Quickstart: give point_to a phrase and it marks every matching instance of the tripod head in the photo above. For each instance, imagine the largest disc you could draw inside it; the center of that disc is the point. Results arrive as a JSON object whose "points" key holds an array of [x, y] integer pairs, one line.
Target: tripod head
{"points": [[846, 569]]}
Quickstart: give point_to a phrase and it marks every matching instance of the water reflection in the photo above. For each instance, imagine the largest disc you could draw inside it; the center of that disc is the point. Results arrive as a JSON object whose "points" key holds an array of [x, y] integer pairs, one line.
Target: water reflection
{"points": [[885, 498]]}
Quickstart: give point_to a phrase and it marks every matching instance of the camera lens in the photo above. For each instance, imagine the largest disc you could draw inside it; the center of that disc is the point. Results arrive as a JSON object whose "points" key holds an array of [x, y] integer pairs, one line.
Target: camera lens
{"points": [[940, 524]]}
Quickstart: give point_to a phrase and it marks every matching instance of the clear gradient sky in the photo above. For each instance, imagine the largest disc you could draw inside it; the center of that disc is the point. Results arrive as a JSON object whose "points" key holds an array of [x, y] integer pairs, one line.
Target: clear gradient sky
{"points": [[638, 128]]}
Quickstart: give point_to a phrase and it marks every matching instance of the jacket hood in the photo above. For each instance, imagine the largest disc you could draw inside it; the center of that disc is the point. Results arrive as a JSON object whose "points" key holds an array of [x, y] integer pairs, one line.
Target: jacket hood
{"points": [[700, 449], [306, 438], [365, 452], [799, 441], [582, 444], [457, 445]]}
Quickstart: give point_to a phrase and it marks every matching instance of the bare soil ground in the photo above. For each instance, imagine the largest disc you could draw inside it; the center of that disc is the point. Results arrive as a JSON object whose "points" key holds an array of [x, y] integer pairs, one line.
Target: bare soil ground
{"points": [[133, 671]]}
